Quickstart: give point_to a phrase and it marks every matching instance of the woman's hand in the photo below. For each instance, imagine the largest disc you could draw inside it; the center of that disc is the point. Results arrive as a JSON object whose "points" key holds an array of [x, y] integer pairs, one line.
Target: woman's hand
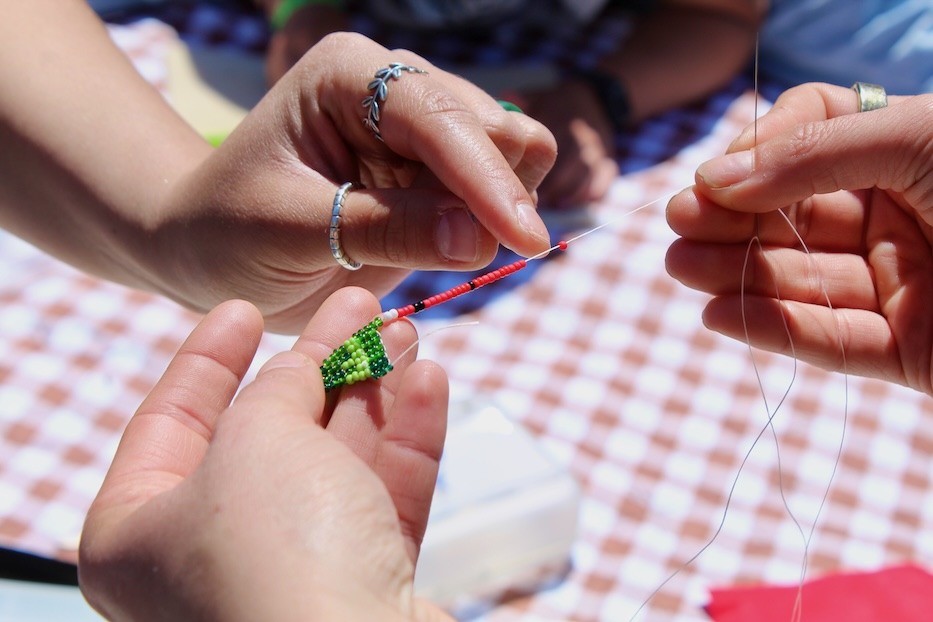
{"points": [[102, 173], [455, 175], [859, 190], [282, 505]]}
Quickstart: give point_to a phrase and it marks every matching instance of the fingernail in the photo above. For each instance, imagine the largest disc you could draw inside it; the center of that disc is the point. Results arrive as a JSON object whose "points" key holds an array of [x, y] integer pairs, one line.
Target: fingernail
{"points": [[456, 236], [286, 359], [531, 222], [726, 170]]}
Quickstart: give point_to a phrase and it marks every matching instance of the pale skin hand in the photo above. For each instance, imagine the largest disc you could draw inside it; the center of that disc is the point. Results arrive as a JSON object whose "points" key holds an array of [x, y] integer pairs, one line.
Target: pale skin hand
{"points": [[284, 505], [99, 171], [859, 188]]}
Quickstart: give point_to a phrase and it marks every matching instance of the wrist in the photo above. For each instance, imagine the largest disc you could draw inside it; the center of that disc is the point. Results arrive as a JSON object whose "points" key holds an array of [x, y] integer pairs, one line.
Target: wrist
{"points": [[282, 11]]}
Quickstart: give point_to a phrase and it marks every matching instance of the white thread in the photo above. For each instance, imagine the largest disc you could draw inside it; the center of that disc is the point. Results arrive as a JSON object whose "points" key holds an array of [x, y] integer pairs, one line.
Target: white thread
{"points": [[798, 604], [608, 223], [428, 334], [797, 612]]}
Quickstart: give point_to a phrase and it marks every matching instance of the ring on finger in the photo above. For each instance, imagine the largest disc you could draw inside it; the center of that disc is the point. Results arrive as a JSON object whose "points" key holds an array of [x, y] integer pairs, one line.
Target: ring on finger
{"points": [[380, 89], [336, 249], [870, 96]]}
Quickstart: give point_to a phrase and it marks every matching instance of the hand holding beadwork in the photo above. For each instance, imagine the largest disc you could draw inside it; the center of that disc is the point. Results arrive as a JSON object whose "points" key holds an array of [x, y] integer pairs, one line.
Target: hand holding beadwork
{"points": [[859, 189], [118, 185], [281, 505]]}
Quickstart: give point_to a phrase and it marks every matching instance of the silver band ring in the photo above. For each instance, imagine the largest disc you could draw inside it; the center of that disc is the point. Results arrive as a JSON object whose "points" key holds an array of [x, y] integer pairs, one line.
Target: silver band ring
{"points": [[335, 248], [870, 96], [380, 88]]}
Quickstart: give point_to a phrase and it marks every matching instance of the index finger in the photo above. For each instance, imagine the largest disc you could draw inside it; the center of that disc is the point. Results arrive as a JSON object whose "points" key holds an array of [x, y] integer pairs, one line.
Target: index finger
{"points": [[830, 222], [443, 123], [849, 152], [806, 103], [814, 101], [428, 116]]}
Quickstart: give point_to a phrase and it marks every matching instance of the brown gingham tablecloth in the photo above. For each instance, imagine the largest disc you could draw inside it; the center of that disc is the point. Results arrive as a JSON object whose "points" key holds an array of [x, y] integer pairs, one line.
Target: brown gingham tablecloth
{"points": [[598, 352]]}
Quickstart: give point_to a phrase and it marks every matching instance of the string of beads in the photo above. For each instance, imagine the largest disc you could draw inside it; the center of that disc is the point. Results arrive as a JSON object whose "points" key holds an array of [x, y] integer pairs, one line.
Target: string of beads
{"points": [[359, 358], [363, 355], [432, 301]]}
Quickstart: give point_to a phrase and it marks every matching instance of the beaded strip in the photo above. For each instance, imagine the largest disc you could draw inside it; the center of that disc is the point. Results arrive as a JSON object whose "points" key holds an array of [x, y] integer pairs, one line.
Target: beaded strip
{"points": [[359, 358], [363, 355]]}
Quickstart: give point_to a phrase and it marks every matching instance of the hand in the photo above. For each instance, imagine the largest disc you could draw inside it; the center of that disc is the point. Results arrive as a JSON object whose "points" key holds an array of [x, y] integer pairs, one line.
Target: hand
{"points": [[859, 189], [455, 175], [283, 505], [585, 166], [153, 206]]}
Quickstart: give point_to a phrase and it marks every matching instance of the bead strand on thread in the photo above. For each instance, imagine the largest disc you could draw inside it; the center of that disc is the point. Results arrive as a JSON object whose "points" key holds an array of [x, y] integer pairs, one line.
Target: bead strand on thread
{"points": [[453, 292]]}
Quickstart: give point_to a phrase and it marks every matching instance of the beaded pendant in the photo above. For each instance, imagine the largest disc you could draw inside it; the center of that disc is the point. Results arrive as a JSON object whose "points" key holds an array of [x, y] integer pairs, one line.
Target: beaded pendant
{"points": [[361, 357]]}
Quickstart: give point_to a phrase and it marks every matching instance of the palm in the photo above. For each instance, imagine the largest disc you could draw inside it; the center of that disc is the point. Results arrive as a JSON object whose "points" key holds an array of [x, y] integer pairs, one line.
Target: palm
{"points": [[900, 254]]}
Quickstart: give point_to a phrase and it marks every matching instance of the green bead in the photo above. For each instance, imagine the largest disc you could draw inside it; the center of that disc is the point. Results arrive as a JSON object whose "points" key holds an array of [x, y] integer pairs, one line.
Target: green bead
{"points": [[359, 358]]}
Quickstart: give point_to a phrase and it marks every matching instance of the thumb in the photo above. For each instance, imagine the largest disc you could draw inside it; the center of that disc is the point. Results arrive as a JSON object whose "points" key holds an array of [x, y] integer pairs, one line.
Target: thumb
{"points": [[423, 229], [881, 148]]}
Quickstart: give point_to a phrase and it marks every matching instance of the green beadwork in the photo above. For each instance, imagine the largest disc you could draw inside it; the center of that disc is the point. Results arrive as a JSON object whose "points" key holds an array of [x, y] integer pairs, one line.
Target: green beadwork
{"points": [[361, 357]]}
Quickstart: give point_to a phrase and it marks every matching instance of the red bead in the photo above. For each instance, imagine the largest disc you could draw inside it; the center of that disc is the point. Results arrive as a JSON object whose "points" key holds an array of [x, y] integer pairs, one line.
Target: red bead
{"points": [[562, 245], [463, 288]]}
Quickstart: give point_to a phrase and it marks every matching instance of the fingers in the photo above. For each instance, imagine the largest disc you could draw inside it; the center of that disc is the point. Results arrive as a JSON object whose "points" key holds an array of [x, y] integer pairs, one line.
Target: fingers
{"points": [[166, 439], [479, 152], [363, 407], [413, 440], [289, 383], [339, 317], [801, 104], [395, 424], [853, 341], [834, 221], [840, 280], [531, 158], [527, 145], [881, 148], [444, 132], [414, 228], [341, 314]]}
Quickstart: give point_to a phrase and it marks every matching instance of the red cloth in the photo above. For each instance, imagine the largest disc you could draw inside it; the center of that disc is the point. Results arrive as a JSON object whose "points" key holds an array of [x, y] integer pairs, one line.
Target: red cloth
{"points": [[901, 593]]}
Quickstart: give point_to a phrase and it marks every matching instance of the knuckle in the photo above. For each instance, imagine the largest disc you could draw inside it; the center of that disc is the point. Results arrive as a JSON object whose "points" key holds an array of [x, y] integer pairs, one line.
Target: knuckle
{"points": [[802, 151]]}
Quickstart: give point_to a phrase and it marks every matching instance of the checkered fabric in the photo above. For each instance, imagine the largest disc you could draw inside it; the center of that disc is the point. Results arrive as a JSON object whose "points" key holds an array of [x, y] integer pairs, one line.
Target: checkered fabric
{"points": [[597, 351]]}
